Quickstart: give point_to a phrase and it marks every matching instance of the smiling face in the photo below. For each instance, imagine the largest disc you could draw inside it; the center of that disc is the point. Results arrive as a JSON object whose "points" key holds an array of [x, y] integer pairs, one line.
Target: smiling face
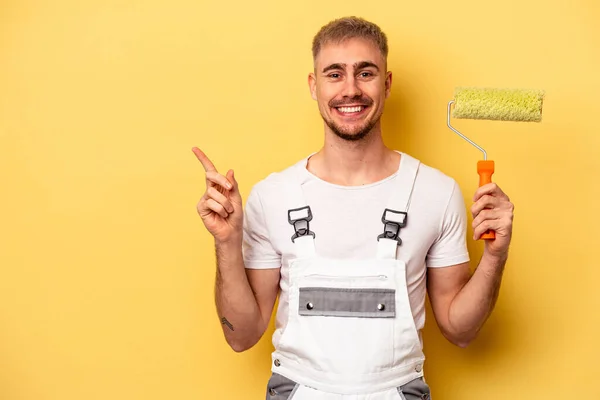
{"points": [[350, 84]]}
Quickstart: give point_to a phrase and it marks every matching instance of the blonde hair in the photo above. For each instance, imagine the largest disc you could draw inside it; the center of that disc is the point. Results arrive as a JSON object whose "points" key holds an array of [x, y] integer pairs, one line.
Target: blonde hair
{"points": [[342, 29]]}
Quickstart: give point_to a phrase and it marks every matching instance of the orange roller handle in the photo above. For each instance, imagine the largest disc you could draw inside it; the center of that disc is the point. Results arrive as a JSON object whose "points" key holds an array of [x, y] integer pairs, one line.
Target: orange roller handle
{"points": [[485, 169]]}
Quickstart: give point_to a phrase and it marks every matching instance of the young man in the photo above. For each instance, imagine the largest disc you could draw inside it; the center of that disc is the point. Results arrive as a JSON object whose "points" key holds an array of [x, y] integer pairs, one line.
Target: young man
{"points": [[351, 238]]}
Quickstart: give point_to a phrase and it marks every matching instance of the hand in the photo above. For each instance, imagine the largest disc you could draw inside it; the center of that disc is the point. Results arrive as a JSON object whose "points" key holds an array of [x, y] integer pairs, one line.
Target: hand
{"points": [[493, 210], [221, 205]]}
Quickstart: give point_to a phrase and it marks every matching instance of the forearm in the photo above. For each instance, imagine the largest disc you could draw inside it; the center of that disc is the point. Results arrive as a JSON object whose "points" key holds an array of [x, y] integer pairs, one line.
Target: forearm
{"points": [[475, 302], [236, 304]]}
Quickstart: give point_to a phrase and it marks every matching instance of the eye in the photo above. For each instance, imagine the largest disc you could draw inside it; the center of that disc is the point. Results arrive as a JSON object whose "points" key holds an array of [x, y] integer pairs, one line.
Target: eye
{"points": [[334, 75], [366, 74]]}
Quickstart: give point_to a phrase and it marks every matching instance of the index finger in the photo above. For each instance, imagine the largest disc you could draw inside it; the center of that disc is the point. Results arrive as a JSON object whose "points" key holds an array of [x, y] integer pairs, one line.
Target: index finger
{"points": [[491, 189], [206, 163]]}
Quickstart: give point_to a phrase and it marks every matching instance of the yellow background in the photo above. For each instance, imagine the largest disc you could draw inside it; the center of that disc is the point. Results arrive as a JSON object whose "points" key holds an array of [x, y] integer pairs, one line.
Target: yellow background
{"points": [[106, 271]]}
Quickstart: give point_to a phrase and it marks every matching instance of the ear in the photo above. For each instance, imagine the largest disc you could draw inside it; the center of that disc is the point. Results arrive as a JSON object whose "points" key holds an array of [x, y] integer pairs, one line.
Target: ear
{"points": [[312, 85], [388, 84]]}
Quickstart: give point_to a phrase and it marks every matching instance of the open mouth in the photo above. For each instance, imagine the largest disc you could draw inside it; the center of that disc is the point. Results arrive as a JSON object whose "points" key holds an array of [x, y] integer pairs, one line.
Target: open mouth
{"points": [[351, 110]]}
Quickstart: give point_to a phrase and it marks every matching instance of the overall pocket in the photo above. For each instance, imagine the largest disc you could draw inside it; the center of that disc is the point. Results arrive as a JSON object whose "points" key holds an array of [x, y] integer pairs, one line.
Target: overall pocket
{"points": [[280, 388], [347, 322], [415, 390]]}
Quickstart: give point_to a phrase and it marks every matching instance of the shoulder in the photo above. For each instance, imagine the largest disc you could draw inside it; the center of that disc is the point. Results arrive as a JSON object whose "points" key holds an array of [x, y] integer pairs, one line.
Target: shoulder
{"points": [[276, 186], [432, 180], [435, 190]]}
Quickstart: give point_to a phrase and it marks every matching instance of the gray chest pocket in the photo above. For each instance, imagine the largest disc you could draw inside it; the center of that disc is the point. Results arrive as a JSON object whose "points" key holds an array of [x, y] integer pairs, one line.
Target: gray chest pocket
{"points": [[350, 302]]}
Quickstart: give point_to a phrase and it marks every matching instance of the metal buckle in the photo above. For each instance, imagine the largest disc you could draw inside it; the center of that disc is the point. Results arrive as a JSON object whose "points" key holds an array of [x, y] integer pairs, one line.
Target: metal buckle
{"points": [[393, 222], [301, 224]]}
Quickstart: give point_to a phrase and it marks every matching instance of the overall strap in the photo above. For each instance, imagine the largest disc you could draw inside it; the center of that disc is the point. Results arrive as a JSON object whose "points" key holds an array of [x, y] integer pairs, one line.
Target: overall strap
{"points": [[299, 216], [395, 216]]}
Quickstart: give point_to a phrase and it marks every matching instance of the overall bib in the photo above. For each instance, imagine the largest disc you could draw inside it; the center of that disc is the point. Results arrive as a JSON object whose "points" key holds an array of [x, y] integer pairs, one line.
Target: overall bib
{"points": [[350, 332]]}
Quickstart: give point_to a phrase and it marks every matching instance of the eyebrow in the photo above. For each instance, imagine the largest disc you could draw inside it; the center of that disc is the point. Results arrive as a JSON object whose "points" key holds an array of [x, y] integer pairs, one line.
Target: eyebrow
{"points": [[366, 64], [334, 66], [358, 65]]}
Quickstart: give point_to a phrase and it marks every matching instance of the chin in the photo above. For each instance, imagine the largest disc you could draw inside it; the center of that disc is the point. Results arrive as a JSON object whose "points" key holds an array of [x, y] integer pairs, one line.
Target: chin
{"points": [[352, 132], [352, 135]]}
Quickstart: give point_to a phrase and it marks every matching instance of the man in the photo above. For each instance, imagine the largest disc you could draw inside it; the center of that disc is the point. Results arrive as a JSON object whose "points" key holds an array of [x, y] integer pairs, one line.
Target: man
{"points": [[351, 238]]}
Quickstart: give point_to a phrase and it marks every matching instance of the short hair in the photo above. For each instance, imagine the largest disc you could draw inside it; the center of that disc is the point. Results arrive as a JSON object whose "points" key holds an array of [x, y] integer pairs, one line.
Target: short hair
{"points": [[342, 29]]}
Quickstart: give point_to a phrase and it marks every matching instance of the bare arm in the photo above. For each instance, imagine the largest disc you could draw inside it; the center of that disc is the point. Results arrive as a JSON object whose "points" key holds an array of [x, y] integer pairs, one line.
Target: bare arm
{"points": [[244, 297], [462, 301]]}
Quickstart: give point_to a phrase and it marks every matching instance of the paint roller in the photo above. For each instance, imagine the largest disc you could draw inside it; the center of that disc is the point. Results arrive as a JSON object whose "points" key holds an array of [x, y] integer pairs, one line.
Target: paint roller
{"points": [[523, 105]]}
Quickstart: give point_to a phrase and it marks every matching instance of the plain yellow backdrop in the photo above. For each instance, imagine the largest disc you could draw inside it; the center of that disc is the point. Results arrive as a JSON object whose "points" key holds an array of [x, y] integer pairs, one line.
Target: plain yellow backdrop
{"points": [[106, 271]]}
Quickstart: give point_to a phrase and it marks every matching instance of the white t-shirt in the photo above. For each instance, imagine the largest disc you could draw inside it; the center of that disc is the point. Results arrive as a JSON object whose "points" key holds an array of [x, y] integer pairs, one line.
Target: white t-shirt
{"points": [[347, 221]]}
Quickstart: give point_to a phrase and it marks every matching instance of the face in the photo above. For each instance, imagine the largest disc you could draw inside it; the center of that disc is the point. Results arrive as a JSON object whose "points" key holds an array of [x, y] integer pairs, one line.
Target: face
{"points": [[350, 84]]}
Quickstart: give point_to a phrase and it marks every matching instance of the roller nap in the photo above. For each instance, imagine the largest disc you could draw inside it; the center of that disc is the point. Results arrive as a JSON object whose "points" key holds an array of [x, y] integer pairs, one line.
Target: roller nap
{"points": [[498, 104]]}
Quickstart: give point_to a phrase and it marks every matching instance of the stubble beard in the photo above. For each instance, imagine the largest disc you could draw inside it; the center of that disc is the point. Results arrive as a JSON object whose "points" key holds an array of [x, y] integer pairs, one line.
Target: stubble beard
{"points": [[352, 134]]}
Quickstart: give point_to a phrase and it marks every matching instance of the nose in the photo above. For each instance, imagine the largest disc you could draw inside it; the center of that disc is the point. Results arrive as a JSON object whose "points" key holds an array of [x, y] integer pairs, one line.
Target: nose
{"points": [[351, 88]]}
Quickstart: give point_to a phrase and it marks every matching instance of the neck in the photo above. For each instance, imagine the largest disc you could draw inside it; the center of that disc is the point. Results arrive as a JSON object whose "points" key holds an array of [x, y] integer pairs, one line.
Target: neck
{"points": [[354, 163]]}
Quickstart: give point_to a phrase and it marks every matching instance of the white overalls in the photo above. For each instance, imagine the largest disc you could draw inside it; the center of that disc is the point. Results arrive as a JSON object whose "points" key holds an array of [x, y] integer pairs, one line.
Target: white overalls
{"points": [[350, 332]]}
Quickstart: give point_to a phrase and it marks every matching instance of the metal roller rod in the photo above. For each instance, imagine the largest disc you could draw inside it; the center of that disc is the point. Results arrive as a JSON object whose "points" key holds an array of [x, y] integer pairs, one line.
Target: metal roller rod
{"points": [[461, 135]]}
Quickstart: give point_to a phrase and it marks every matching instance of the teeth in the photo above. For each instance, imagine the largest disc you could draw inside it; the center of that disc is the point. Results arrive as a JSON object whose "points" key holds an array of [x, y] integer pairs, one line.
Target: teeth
{"points": [[350, 109]]}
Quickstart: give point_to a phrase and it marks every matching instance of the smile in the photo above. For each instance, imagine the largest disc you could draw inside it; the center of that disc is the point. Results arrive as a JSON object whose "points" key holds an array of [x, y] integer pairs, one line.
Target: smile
{"points": [[353, 110]]}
